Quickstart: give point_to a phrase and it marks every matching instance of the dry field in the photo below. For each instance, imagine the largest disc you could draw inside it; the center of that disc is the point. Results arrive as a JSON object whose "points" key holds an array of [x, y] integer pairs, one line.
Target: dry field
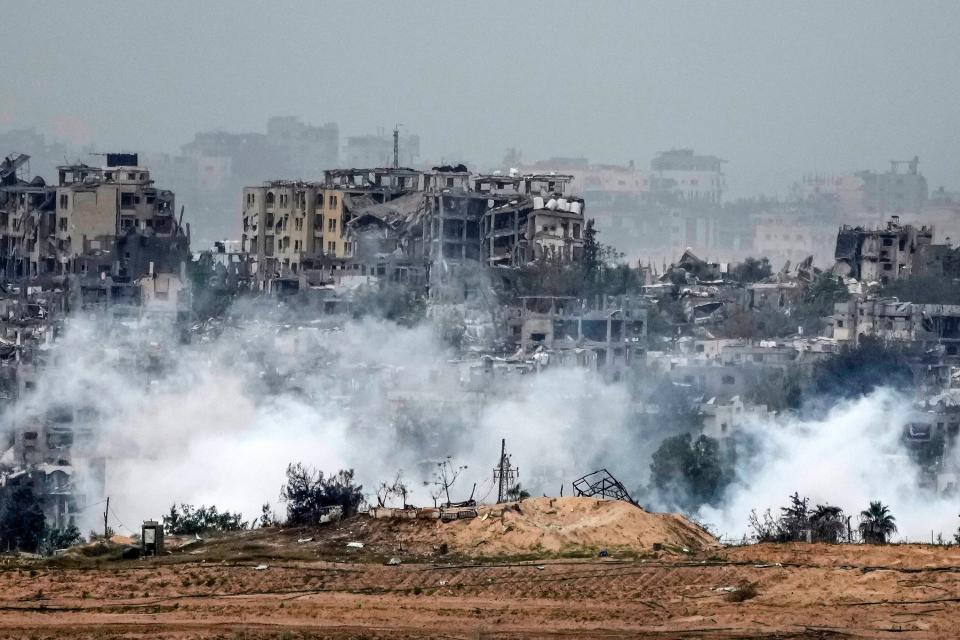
{"points": [[322, 589]]}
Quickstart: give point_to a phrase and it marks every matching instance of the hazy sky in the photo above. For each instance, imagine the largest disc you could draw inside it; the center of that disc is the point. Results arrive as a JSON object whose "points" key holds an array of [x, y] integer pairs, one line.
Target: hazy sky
{"points": [[776, 88]]}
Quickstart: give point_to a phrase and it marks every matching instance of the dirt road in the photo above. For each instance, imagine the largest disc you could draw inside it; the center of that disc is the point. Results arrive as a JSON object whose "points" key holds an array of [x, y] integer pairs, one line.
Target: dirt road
{"points": [[786, 591]]}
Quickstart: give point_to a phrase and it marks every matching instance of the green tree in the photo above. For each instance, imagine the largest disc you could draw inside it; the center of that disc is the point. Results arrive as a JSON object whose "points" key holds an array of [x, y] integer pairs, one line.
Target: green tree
{"points": [[690, 473], [191, 521], [590, 261], [517, 493], [827, 523], [923, 289], [758, 325], [210, 296], [794, 518], [22, 523], [857, 371], [877, 523], [751, 270], [821, 294], [308, 493], [817, 303]]}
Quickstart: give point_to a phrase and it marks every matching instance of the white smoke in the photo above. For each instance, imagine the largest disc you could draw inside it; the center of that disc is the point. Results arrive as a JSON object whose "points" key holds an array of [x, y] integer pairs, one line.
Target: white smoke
{"points": [[218, 421], [849, 458]]}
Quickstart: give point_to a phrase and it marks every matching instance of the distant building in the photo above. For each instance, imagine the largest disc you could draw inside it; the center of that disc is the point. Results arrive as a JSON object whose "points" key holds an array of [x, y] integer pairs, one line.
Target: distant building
{"points": [[895, 191], [723, 417], [840, 193], [308, 149], [213, 167], [680, 175], [786, 234]]}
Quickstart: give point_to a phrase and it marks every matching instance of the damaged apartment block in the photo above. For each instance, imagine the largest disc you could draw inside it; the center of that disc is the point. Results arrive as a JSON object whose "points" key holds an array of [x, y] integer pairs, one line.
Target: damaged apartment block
{"points": [[27, 221], [406, 225], [538, 221], [97, 224]]}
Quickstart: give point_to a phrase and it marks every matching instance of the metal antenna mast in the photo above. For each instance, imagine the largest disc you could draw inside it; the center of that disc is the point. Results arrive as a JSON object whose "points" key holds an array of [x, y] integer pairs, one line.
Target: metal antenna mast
{"points": [[504, 475], [396, 147]]}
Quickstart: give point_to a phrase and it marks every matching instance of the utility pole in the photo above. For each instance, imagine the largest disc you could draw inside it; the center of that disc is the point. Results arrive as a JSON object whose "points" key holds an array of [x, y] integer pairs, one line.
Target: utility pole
{"points": [[106, 512], [504, 475]]}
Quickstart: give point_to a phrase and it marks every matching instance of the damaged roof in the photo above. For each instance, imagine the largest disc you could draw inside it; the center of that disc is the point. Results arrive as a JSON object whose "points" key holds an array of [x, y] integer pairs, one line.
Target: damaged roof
{"points": [[403, 209]]}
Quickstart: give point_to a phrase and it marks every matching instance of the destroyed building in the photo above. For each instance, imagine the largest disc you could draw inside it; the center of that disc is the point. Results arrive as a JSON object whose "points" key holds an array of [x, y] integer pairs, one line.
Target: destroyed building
{"points": [[96, 220], [27, 221], [408, 225], [929, 325], [607, 333], [539, 220], [293, 226], [883, 254]]}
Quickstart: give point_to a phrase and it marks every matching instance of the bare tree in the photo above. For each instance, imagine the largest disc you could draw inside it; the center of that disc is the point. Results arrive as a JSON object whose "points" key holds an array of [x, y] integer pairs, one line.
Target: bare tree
{"points": [[396, 489], [444, 477]]}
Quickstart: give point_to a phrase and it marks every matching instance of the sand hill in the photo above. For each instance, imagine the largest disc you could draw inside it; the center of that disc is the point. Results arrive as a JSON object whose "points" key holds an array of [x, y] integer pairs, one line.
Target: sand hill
{"points": [[566, 524]]}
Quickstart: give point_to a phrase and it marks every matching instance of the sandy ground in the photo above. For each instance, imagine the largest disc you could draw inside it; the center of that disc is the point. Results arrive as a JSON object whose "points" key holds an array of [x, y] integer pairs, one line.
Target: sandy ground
{"points": [[556, 525], [791, 591]]}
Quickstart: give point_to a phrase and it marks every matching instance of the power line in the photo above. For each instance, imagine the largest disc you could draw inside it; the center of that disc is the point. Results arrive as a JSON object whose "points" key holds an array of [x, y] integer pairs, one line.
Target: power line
{"points": [[120, 522]]}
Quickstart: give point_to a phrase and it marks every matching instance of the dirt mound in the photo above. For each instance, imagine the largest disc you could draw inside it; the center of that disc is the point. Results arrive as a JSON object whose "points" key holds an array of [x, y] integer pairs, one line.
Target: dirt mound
{"points": [[569, 524]]}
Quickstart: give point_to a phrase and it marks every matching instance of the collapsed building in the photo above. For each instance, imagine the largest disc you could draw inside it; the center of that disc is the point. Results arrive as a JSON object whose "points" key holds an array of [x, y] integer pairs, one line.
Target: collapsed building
{"points": [[408, 225], [927, 325], [608, 333], [96, 220], [884, 254], [27, 220]]}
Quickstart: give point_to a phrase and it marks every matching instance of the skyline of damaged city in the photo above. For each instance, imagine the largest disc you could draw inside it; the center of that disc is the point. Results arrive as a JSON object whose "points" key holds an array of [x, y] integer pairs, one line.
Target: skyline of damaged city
{"points": [[508, 273], [645, 323]]}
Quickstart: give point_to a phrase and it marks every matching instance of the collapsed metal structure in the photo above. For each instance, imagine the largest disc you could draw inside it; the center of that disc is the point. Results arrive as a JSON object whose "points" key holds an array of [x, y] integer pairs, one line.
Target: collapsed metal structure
{"points": [[602, 484]]}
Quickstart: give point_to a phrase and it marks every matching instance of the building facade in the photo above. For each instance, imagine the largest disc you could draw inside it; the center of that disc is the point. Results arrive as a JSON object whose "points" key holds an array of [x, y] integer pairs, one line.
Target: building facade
{"points": [[110, 219], [881, 254]]}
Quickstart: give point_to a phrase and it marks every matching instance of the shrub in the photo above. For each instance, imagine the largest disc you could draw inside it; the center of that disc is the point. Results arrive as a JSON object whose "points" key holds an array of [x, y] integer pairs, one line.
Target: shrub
{"points": [[189, 520], [308, 494]]}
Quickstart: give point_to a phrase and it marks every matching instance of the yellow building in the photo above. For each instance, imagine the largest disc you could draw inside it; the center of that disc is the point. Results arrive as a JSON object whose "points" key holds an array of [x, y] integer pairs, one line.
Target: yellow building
{"points": [[288, 223]]}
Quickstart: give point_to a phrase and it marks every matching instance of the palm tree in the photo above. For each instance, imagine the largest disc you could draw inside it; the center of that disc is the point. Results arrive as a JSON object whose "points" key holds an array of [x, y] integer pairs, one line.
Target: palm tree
{"points": [[877, 523], [827, 523]]}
